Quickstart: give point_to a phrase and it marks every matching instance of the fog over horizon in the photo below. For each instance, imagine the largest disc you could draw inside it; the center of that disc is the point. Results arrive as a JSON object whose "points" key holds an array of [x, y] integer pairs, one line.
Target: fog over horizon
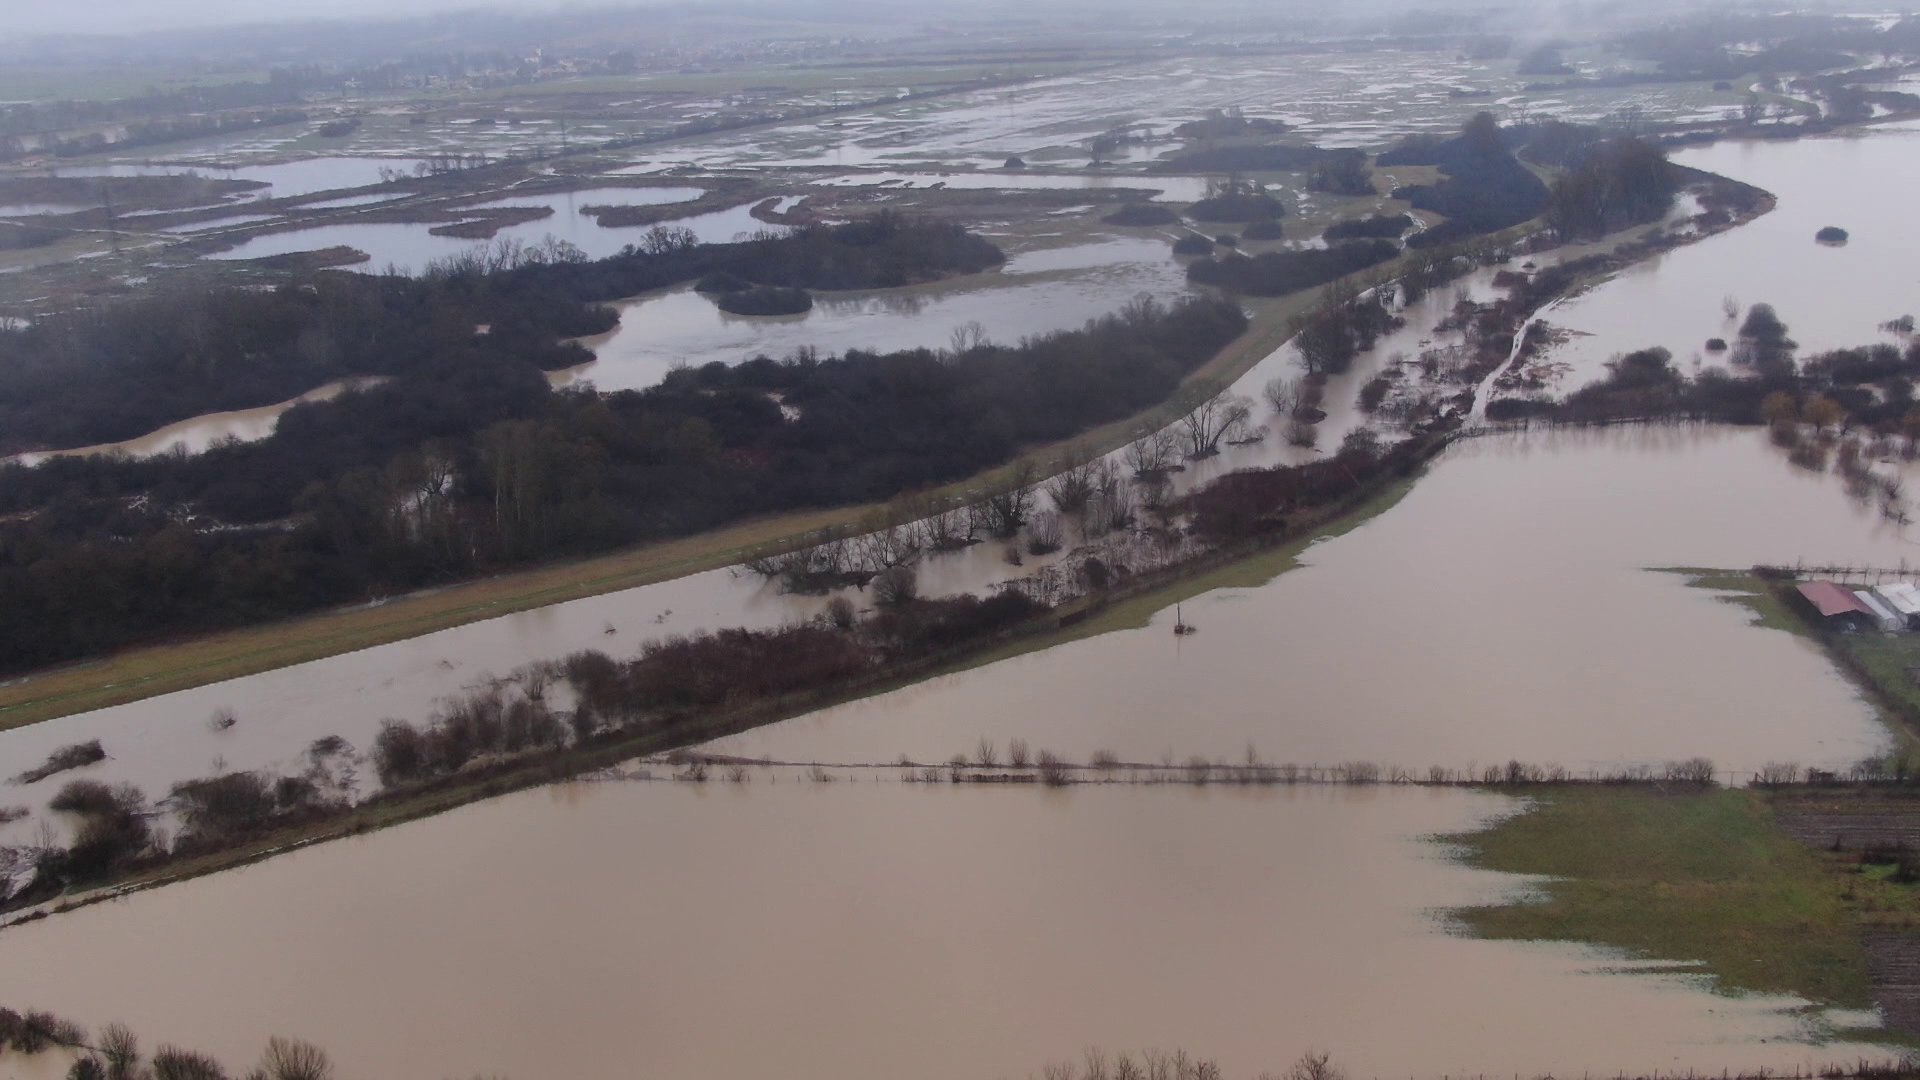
{"points": [[125, 19]]}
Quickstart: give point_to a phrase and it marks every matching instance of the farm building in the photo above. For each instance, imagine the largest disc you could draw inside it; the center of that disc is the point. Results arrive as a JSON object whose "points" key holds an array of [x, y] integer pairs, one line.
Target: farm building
{"points": [[1838, 606], [1903, 598], [1880, 614]]}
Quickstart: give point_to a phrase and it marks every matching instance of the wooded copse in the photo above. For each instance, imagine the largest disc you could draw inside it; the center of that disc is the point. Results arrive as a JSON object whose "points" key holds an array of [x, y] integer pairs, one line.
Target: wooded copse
{"points": [[429, 479]]}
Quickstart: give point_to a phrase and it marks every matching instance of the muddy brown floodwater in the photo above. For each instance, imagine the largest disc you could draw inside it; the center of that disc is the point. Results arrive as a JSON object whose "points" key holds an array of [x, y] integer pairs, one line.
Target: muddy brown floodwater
{"points": [[1502, 610], [867, 928]]}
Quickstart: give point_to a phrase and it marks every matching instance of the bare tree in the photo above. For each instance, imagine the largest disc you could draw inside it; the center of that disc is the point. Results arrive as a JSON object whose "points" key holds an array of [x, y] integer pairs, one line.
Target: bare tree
{"points": [[1044, 534], [884, 549], [1282, 395], [948, 530], [1017, 753], [1074, 488], [1151, 455], [294, 1059], [1008, 510], [985, 754], [895, 586], [1209, 422], [967, 337]]}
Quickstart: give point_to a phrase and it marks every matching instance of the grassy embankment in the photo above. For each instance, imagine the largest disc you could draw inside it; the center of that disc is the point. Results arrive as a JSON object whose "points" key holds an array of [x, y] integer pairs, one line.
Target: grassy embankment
{"points": [[1697, 875]]}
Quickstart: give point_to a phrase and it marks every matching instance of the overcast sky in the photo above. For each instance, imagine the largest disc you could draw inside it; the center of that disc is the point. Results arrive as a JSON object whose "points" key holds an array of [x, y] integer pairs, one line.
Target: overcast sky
{"points": [[132, 16]]}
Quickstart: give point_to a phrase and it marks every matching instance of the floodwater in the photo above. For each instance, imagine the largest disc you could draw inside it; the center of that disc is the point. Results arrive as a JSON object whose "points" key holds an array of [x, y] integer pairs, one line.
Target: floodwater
{"points": [[870, 929], [197, 434], [408, 248], [287, 179], [1506, 593], [1330, 100], [1830, 297], [1507, 598], [1032, 293]]}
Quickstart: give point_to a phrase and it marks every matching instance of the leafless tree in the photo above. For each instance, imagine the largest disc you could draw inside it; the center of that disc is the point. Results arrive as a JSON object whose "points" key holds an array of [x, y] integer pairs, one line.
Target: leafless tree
{"points": [[985, 754], [1044, 534], [967, 337], [1073, 489], [947, 530], [173, 1063], [896, 585], [294, 1059], [1282, 395], [1209, 422], [1053, 770], [120, 1048], [1315, 1066], [1151, 455], [1008, 510], [1017, 755], [884, 549], [1302, 434]]}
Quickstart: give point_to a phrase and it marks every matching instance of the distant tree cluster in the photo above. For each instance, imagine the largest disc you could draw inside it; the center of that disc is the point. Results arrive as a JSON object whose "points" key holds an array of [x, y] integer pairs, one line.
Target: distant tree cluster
{"points": [[1610, 186], [1377, 226], [1485, 188]]}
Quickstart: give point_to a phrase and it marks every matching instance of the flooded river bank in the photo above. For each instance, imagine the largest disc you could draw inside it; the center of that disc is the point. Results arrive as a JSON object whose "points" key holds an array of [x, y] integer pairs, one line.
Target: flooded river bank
{"points": [[1831, 297], [867, 929]]}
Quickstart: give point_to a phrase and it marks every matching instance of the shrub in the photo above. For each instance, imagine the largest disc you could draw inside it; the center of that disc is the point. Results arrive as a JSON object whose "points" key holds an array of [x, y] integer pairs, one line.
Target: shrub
{"points": [[66, 757], [1053, 771], [84, 797], [722, 281], [1832, 234], [400, 751], [1264, 230], [765, 300], [1378, 226], [1142, 214], [1193, 244]]}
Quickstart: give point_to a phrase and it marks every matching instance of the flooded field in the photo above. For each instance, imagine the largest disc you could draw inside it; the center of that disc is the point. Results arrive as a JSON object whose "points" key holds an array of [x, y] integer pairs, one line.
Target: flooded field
{"points": [[1830, 296], [1507, 592], [409, 248], [1507, 596], [1033, 293], [1332, 100], [867, 929]]}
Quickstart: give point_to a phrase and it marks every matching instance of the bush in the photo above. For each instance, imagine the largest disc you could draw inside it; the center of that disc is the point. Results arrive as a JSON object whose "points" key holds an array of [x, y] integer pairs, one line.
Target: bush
{"points": [[1142, 214], [722, 281], [66, 757], [1236, 206], [1832, 234], [1378, 226], [1264, 230], [1193, 244], [765, 300]]}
